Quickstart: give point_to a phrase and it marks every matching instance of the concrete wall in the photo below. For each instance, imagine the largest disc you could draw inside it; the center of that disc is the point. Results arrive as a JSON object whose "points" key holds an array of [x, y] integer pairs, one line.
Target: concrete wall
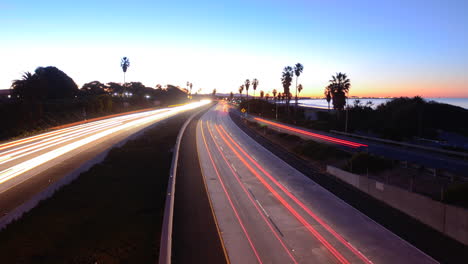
{"points": [[448, 219]]}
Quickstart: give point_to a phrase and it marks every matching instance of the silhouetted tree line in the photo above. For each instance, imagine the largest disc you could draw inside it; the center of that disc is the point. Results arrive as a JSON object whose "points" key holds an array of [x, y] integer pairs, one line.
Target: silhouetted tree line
{"points": [[399, 119], [49, 97], [404, 118]]}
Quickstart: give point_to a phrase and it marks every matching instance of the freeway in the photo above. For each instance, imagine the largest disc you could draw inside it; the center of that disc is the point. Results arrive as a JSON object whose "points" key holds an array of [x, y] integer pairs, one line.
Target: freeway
{"points": [[423, 157], [268, 212], [29, 165]]}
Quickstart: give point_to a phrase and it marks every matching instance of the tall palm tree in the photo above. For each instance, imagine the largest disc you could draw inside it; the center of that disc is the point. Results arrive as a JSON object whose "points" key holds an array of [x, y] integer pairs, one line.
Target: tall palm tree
{"points": [[339, 88], [124, 63], [247, 85], [241, 89], [298, 68], [254, 85], [286, 80]]}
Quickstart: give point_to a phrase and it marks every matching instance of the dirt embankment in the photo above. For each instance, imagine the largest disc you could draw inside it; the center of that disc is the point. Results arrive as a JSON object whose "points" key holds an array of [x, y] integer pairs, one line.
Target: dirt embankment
{"points": [[110, 214]]}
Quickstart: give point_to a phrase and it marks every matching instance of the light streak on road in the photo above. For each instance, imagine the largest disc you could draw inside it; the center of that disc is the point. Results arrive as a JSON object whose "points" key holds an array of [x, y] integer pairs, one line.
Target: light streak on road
{"points": [[255, 203], [230, 202], [225, 135], [314, 135], [301, 219], [88, 133]]}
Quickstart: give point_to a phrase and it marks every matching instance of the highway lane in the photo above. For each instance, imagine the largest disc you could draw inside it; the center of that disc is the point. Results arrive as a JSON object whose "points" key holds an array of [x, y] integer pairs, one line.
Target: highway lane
{"points": [[24, 159], [268, 212], [426, 158]]}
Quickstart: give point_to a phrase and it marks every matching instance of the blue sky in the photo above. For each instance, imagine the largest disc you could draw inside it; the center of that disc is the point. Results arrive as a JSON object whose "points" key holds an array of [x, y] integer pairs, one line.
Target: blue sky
{"points": [[386, 47]]}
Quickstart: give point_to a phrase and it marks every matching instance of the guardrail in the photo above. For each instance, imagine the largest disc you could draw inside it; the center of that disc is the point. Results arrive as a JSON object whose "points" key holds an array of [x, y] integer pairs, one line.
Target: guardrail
{"points": [[450, 152], [165, 248]]}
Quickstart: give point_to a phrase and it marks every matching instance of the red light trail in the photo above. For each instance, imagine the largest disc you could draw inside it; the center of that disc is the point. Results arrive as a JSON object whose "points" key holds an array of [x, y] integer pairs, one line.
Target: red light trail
{"points": [[250, 196], [307, 133], [289, 194], [314, 232]]}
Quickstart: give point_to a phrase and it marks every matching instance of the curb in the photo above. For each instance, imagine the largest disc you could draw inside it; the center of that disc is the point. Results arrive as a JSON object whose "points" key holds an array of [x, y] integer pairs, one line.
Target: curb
{"points": [[165, 249]]}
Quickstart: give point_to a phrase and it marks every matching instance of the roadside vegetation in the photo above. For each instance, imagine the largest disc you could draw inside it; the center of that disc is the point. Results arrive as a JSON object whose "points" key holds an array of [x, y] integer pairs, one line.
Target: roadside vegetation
{"points": [[414, 178], [110, 214], [401, 119], [49, 97]]}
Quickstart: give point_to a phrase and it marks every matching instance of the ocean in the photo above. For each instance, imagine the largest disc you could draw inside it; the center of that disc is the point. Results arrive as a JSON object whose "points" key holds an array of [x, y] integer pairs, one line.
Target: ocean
{"points": [[322, 103]]}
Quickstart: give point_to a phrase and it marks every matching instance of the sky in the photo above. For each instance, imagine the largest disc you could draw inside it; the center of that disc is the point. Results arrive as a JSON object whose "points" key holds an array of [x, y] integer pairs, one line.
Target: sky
{"points": [[387, 48]]}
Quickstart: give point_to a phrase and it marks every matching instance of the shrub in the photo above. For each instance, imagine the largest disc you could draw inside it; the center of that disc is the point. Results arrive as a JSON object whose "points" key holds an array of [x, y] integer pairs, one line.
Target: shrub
{"points": [[361, 162], [319, 151], [457, 194]]}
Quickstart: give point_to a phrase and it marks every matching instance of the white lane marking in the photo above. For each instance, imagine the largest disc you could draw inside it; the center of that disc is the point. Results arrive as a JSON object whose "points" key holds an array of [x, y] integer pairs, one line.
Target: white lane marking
{"points": [[263, 209], [234, 168]]}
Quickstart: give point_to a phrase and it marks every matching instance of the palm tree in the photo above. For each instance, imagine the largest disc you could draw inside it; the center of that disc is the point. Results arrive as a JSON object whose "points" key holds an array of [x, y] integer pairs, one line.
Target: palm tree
{"points": [[20, 86], [124, 63], [247, 84], [328, 96], [298, 68], [241, 89], [274, 94], [286, 80], [339, 88], [254, 85], [261, 94], [299, 89]]}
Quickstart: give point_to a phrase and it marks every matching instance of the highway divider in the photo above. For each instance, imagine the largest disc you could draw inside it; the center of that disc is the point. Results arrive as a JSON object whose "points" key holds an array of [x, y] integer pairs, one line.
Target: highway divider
{"points": [[165, 249]]}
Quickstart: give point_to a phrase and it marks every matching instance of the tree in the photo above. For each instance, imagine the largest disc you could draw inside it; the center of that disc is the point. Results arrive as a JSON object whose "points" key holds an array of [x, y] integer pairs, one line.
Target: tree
{"points": [[286, 80], [299, 88], [267, 96], [261, 94], [254, 85], [298, 68], [47, 83], [231, 96], [26, 88], [339, 88], [328, 96], [214, 92], [124, 63], [241, 89], [115, 88], [93, 88], [190, 86], [247, 85], [274, 94]]}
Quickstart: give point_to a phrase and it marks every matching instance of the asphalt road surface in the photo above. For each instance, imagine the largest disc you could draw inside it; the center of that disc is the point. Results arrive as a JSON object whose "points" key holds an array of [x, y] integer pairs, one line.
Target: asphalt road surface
{"points": [[268, 212], [29, 165]]}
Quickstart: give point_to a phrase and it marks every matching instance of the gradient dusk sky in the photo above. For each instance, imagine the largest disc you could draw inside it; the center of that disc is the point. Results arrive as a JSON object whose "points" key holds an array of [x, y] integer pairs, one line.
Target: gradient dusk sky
{"points": [[387, 48]]}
